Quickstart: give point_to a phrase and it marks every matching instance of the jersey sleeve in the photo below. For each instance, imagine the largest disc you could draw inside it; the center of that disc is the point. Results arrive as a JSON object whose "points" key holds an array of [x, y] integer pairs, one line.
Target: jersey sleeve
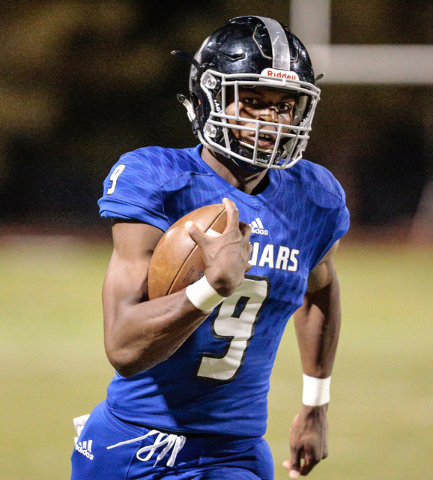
{"points": [[131, 191], [335, 227]]}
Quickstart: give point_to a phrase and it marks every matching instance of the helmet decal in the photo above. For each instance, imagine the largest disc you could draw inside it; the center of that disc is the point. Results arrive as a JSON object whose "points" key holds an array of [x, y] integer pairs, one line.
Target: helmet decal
{"points": [[280, 45], [273, 72]]}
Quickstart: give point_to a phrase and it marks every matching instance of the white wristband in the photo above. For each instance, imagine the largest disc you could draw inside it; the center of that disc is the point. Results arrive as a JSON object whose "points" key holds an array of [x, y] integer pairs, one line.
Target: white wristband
{"points": [[316, 391], [203, 296]]}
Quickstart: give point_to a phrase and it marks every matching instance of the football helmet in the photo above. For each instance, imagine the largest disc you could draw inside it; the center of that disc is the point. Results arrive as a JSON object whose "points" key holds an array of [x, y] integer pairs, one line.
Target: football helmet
{"points": [[251, 52]]}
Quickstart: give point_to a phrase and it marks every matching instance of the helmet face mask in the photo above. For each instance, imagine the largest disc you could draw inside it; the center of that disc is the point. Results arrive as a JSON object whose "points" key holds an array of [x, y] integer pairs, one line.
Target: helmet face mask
{"points": [[289, 139], [252, 53]]}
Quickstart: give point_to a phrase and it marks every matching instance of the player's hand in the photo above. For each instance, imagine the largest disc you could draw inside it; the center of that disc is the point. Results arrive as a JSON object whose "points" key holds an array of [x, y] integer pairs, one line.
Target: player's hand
{"points": [[226, 256], [308, 440]]}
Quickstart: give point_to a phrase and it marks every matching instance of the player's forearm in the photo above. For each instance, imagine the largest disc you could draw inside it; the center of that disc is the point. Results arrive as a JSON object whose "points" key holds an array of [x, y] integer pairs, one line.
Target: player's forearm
{"points": [[148, 333], [317, 325]]}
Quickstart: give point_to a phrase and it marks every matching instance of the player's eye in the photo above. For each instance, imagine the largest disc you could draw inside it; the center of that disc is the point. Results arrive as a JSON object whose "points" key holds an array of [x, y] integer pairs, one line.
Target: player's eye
{"points": [[285, 107], [250, 101]]}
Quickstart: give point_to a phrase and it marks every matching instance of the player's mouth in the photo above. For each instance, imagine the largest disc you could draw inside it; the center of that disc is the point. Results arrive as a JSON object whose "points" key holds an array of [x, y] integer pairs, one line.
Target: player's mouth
{"points": [[267, 142]]}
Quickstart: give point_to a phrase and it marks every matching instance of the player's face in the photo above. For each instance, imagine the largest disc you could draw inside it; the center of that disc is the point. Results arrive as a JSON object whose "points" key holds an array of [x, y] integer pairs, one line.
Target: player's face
{"points": [[266, 104]]}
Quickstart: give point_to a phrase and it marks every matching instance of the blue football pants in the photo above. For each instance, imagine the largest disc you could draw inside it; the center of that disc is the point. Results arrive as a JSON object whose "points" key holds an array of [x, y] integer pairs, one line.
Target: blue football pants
{"points": [[202, 458]]}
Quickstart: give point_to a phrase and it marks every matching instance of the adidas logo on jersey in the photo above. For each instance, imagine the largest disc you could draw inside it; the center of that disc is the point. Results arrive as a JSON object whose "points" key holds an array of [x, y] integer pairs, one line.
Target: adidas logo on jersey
{"points": [[85, 448], [258, 227]]}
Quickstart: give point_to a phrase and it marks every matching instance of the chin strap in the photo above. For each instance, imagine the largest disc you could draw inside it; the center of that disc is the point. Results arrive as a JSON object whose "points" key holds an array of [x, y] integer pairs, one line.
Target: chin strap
{"points": [[181, 98], [188, 105], [189, 110]]}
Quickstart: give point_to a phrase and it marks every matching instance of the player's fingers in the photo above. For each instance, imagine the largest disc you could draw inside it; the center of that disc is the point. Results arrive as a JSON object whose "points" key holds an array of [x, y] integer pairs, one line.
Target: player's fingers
{"points": [[294, 466], [245, 229], [311, 460], [196, 233], [286, 465], [250, 249], [292, 473], [232, 214]]}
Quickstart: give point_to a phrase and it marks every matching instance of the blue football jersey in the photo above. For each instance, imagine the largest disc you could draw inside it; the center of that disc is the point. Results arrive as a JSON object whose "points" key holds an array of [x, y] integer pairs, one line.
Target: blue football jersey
{"points": [[217, 382]]}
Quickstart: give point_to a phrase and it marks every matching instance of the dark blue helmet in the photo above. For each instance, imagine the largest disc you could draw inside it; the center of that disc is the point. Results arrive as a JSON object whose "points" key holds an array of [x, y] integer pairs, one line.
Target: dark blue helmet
{"points": [[251, 52]]}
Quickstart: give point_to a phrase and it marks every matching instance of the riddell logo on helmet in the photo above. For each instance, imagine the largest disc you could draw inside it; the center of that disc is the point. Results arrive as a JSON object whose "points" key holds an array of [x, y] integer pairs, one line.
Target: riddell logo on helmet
{"points": [[272, 72]]}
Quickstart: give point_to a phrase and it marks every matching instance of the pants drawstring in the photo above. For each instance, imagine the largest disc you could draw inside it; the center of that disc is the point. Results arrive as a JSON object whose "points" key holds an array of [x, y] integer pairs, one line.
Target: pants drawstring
{"points": [[171, 440]]}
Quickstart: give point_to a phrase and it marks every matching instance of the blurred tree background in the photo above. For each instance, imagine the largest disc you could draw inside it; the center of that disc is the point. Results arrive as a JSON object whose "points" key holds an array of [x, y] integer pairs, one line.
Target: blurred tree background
{"points": [[83, 82]]}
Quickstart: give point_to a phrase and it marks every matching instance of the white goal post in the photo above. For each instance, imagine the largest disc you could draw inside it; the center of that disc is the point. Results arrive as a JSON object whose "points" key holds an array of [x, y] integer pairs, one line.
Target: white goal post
{"points": [[357, 64]]}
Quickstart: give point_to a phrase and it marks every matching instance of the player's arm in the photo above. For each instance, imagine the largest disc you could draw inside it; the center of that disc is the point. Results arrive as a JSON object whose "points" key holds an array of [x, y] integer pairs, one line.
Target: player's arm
{"points": [[317, 325], [139, 333]]}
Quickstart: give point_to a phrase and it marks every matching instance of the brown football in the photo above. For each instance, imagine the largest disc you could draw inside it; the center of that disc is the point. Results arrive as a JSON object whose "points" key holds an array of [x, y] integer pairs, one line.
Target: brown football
{"points": [[177, 260]]}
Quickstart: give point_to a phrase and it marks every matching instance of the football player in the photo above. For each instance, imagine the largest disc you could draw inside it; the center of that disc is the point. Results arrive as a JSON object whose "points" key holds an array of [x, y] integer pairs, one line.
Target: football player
{"points": [[189, 398]]}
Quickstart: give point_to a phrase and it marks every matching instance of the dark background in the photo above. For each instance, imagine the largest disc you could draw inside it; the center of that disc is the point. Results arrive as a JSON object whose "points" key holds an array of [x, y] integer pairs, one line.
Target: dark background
{"points": [[83, 82]]}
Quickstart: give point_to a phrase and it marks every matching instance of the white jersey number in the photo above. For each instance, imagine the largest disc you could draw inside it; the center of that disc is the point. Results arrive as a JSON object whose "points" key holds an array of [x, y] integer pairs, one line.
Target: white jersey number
{"points": [[235, 323], [114, 176]]}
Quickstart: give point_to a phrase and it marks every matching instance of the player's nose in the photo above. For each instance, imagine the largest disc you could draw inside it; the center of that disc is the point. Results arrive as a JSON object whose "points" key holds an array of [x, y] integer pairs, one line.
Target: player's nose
{"points": [[269, 114]]}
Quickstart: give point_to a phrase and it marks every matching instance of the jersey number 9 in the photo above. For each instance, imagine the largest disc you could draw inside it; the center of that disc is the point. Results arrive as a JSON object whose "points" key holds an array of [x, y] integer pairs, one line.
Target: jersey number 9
{"points": [[235, 323]]}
